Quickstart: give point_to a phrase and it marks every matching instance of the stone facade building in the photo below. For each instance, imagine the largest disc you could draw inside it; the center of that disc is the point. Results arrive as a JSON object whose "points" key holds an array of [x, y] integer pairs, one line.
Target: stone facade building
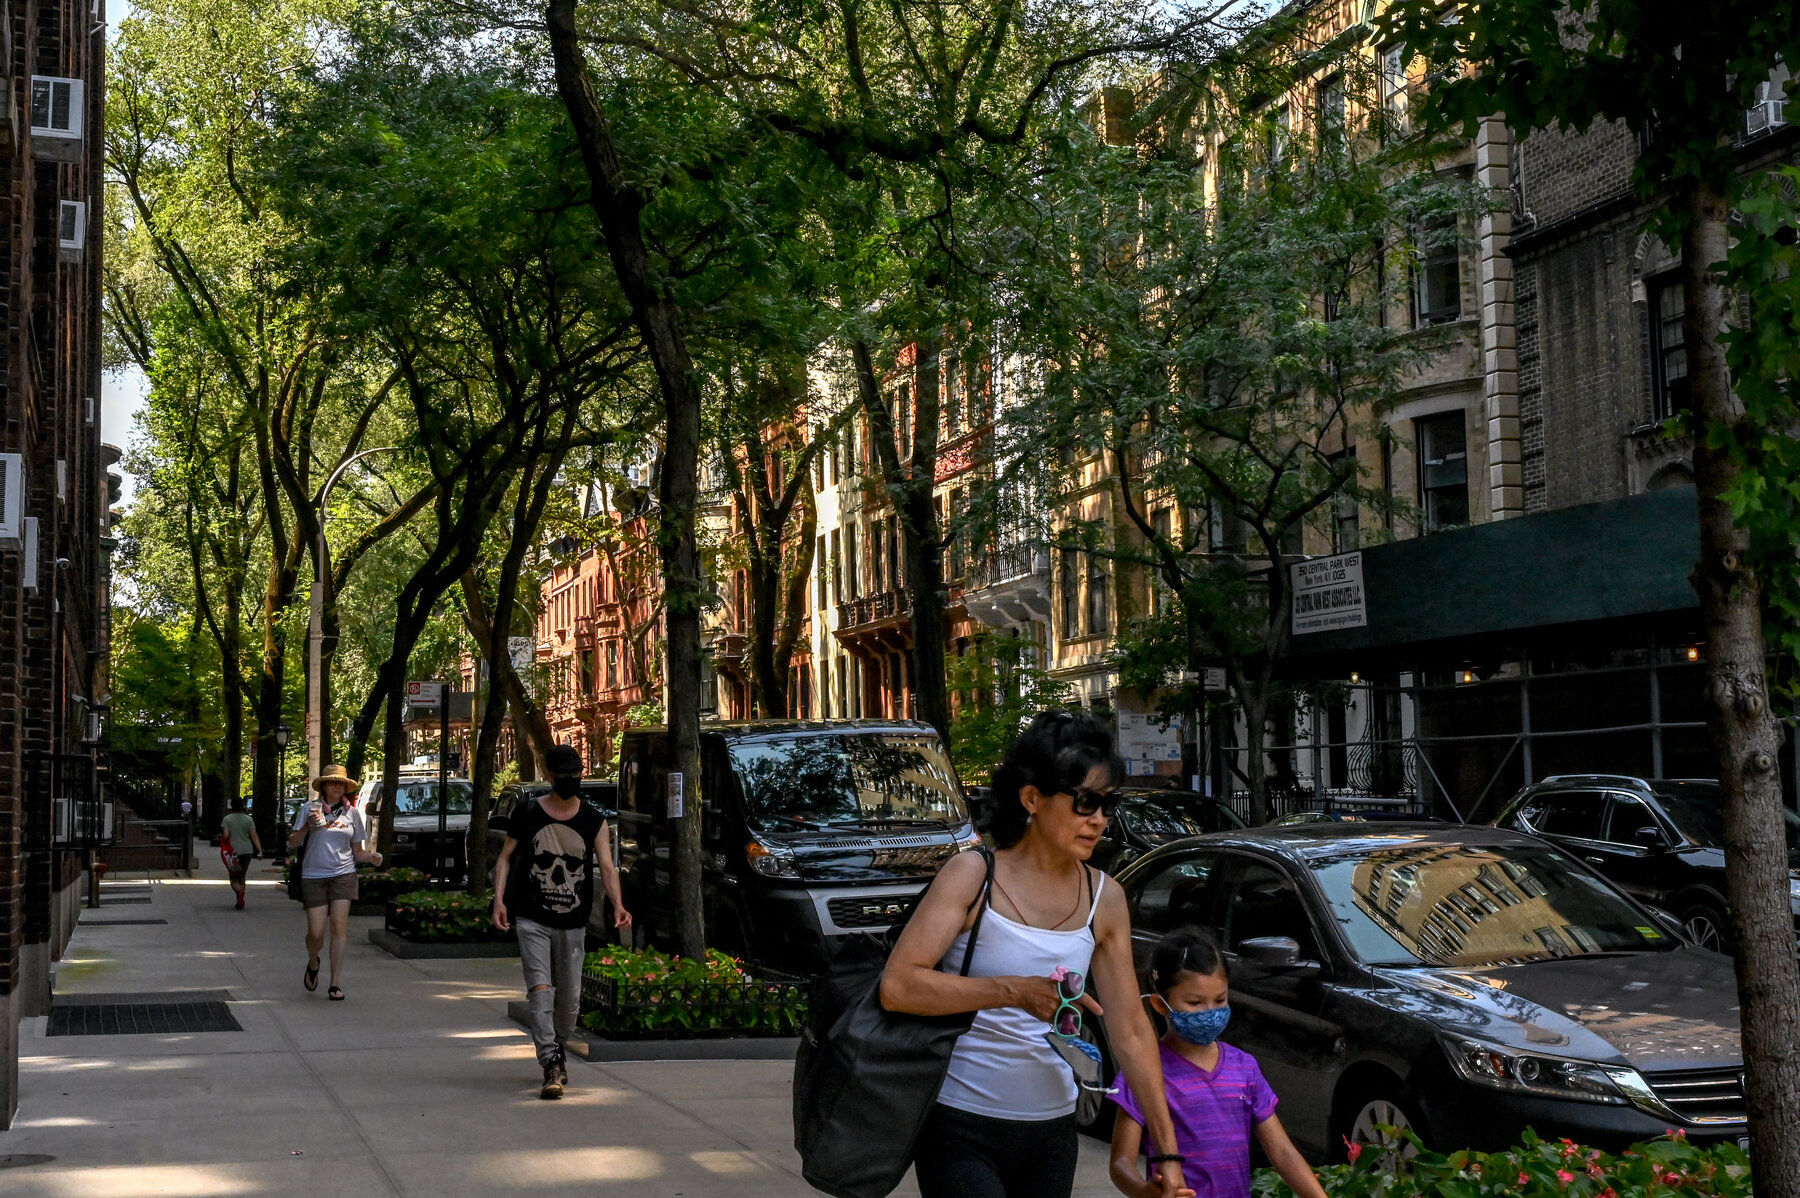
{"points": [[55, 491]]}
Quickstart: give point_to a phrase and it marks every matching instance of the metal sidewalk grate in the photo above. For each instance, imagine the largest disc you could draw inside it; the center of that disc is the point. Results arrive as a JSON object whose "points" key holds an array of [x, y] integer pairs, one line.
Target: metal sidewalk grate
{"points": [[142, 1014]]}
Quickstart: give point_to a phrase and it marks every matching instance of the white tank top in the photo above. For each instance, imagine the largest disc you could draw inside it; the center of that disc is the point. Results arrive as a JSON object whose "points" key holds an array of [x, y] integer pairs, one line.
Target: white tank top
{"points": [[1002, 1067]]}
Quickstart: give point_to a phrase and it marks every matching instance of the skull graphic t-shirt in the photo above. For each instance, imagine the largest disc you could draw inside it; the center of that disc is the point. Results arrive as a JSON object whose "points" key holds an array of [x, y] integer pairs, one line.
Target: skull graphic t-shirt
{"points": [[551, 879]]}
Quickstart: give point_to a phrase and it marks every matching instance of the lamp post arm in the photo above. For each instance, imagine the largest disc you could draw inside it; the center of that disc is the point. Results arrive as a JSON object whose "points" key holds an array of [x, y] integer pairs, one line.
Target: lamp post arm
{"points": [[315, 691]]}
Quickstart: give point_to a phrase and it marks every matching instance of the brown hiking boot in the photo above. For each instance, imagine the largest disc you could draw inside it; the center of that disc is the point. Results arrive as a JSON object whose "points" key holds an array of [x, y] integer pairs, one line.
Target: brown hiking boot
{"points": [[553, 1081]]}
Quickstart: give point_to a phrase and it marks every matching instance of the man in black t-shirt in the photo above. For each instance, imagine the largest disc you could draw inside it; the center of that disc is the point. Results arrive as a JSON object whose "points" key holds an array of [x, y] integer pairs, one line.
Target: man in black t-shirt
{"points": [[543, 892]]}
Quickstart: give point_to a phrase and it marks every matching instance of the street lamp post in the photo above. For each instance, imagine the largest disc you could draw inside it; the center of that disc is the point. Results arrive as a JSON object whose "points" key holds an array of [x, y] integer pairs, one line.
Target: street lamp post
{"points": [[283, 734], [315, 638]]}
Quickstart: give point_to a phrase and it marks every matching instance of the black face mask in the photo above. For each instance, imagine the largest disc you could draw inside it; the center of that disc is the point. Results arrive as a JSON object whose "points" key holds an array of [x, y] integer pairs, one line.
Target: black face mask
{"points": [[565, 788]]}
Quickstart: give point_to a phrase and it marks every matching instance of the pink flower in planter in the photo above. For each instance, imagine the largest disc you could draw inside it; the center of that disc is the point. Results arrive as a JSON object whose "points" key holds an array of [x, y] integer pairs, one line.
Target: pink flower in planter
{"points": [[1352, 1151], [1671, 1179], [1524, 1179], [1564, 1176]]}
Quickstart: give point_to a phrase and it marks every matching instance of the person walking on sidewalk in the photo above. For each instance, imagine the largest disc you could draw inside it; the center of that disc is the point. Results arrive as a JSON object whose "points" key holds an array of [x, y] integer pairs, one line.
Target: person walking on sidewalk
{"points": [[543, 893], [239, 846], [335, 835]]}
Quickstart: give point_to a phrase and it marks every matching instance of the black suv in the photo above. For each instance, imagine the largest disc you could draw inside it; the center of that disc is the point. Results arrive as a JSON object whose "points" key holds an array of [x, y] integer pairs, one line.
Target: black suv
{"points": [[1660, 841], [1147, 818], [810, 831]]}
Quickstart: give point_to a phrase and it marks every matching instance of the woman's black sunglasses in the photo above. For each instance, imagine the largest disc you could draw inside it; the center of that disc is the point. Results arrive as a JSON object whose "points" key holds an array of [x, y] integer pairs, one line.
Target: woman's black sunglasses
{"points": [[1086, 802]]}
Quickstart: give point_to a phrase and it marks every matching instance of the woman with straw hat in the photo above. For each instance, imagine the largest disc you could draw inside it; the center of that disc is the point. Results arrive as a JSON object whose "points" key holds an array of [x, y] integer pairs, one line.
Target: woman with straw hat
{"points": [[333, 831]]}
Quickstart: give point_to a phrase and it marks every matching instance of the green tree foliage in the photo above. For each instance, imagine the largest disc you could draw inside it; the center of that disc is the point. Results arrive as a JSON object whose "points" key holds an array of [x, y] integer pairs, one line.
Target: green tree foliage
{"points": [[1217, 347], [1681, 78], [997, 685]]}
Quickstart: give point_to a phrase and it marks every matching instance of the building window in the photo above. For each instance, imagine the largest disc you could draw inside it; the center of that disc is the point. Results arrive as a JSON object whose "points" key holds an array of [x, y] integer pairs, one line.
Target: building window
{"points": [[837, 567], [1346, 518], [1444, 471], [1281, 123], [1393, 87], [612, 665], [1162, 523], [1069, 584], [1437, 281], [820, 598], [1099, 596], [1668, 353], [1331, 112], [852, 583]]}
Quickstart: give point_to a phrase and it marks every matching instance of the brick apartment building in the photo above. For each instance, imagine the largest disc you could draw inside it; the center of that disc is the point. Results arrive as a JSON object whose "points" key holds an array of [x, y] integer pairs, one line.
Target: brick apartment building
{"points": [[54, 490]]}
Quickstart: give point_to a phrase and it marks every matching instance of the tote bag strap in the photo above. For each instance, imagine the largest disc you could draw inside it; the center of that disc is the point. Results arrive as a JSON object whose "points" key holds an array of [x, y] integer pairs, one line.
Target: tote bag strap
{"points": [[985, 899]]}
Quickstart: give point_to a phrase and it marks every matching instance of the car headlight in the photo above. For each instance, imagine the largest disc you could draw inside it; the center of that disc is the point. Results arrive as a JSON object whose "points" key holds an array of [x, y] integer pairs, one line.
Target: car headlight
{"points": [[1794, 888], [772, 861], [403, 838], [1496, 1068]]}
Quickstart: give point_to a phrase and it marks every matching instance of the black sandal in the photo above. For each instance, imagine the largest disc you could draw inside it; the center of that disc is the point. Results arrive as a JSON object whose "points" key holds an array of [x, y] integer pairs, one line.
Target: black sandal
{"points": [[335, 994], [311, 980]]}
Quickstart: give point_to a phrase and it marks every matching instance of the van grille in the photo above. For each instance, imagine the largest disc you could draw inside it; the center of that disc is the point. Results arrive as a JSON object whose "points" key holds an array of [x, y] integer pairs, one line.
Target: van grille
{"points": [[1702, 1095], [873, 912]]}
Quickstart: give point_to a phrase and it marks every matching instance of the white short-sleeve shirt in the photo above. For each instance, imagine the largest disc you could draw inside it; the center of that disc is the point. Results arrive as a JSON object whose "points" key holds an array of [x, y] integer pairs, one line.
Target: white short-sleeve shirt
{"points": [[328, 849]]}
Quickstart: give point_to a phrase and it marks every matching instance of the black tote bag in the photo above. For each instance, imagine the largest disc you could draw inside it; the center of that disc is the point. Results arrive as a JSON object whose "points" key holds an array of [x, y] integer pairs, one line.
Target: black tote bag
{"points": [[865, 1077]]}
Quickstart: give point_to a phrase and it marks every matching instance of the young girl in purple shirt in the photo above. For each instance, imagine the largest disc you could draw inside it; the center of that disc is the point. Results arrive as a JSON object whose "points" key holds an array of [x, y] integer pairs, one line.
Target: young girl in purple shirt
{"points": [[1217, 1096]]}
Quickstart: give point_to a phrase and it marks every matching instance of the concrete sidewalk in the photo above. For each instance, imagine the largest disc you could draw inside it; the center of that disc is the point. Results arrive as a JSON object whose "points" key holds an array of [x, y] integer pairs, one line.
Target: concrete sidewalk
{"points": [[416, 1085]]}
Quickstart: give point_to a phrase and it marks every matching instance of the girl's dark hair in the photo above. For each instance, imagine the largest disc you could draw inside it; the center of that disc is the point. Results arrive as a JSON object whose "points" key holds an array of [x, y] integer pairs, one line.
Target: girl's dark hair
{"points": [[1185, 950], [1055, 753]]}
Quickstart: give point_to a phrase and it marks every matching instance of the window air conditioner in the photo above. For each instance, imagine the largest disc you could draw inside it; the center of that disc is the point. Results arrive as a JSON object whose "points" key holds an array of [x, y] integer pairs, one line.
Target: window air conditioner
{"points": [[12, 496], [1767, 115], [71, 231], [58, 118]]}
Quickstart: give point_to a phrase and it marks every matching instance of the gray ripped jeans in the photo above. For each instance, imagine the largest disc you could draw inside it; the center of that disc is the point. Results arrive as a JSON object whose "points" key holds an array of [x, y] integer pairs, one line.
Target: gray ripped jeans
{"points": [[551, 957]]}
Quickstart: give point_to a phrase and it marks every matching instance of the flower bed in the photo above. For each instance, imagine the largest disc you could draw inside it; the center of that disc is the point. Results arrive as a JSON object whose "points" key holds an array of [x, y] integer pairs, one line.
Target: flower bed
{"points": [[639, 994], [1668, 1167], [380, 885], [444, 917]]}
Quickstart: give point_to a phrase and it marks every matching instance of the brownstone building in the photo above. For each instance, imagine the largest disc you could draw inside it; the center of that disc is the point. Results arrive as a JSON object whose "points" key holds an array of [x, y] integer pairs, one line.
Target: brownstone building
{"points": [[54, 492]]}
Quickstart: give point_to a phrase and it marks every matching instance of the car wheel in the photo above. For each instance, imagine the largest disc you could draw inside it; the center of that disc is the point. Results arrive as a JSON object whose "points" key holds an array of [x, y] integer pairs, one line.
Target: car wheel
{"points": [[1367, 1122], [1706, 926]]}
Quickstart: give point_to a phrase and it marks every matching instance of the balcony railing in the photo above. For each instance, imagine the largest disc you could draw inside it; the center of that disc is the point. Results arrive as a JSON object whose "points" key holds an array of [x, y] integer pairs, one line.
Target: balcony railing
{"points": [[870, 608], [1023, 559]]}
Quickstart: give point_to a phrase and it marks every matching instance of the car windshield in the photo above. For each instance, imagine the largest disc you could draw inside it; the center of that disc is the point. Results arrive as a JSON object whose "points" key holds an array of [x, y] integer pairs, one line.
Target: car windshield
{"points": [[1473, 906], [1167, 817], [794, 781], [421, 798], [1699, 817]]}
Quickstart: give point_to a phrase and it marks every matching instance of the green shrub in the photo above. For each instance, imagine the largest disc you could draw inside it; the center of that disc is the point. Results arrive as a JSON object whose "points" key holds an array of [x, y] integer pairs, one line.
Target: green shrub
{"points": [[1667, 1167], [379, 885], [444, 916], [641, 992]]}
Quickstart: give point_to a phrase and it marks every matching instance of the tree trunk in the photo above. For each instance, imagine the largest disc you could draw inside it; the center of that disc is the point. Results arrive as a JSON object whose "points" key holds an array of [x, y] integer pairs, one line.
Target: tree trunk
{"points": [[393, 748], [1253, 696], [619, 205], [1745, 736]]}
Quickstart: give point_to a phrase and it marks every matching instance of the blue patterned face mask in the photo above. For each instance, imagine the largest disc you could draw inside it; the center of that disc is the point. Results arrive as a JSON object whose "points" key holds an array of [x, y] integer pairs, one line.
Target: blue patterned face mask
{"points": [[1200, 1027]]}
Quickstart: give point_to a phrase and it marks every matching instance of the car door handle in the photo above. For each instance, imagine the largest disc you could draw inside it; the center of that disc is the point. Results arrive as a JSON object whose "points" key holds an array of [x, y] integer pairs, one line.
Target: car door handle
{"points": [[1595, 860]]}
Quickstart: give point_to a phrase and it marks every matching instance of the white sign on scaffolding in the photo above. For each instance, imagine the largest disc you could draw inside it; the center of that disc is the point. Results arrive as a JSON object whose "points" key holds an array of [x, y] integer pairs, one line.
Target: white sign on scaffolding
{"points": [[1328, 593]]}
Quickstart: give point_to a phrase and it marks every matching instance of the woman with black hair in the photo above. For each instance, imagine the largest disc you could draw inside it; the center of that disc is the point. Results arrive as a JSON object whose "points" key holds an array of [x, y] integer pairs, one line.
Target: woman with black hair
{"points": [[1004, 1123]]}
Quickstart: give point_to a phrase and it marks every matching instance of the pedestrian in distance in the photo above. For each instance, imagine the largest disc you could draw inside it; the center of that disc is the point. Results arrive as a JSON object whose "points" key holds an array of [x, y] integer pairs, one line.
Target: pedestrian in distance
{"points": [[1004, 1124], [543, 894], [1216, 1094], [239, 845], [335, 835]]}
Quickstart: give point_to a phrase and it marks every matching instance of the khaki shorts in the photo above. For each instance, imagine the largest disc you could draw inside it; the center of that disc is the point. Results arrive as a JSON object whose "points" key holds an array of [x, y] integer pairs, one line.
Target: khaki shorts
{"points": [[322, 892]]}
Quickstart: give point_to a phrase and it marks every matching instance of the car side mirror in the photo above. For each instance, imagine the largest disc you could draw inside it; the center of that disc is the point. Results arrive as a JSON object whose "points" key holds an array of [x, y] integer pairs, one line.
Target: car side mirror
{"points": [[1271, 952], [1649, 837], [1670, 924]]}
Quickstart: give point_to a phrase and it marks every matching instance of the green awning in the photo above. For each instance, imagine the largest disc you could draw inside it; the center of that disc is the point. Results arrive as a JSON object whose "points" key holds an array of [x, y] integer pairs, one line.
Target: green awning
{"points": [[1622, 559]]}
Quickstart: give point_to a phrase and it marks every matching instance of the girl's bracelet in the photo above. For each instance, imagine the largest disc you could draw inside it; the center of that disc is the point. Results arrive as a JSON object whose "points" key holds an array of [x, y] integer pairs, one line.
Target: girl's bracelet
{"points": [[1164, 1158]]}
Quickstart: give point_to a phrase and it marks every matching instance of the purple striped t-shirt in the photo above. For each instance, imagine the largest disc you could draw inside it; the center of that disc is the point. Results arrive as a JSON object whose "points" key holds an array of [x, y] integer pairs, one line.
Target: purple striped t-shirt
{"points": [[1215, 1115]]}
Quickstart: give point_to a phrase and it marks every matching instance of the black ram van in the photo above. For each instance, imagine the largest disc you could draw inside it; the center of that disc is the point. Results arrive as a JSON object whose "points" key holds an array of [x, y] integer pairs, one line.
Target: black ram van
{"points": [[809, 830]]}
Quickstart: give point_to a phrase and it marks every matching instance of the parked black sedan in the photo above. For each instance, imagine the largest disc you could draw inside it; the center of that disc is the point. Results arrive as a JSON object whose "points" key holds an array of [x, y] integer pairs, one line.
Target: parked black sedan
{"points": [[1147, 818], [1465, 982], [1661, 841]]}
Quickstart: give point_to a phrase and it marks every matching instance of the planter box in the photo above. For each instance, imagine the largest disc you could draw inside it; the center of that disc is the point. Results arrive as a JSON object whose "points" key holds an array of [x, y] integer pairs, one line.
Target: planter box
{"points": [[771, 1004], [418, 927]]}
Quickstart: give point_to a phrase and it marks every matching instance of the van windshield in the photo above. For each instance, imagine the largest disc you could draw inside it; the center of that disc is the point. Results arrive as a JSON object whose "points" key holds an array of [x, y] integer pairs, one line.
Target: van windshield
{"points": [[792, 782]]}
